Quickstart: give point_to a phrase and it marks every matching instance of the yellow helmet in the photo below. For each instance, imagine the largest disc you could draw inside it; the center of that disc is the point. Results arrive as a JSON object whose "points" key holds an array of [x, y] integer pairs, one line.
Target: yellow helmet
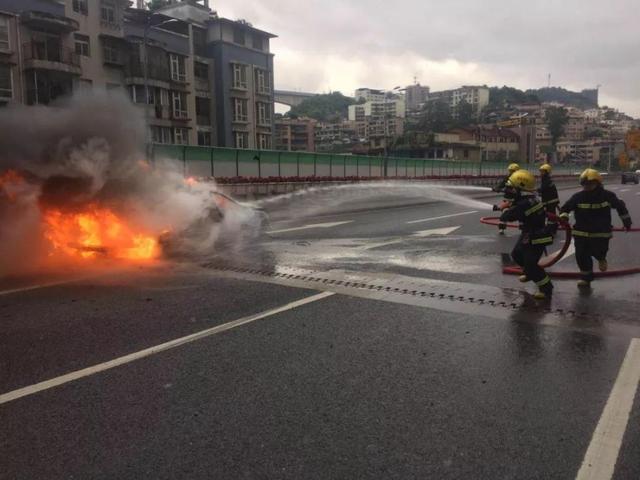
{"points": [[545, 167], [590, 175], [514, 167], [522, 180]]}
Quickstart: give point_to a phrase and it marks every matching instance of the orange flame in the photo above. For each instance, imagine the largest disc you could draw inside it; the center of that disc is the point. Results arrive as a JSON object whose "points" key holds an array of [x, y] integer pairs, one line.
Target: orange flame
{"points": [[97, 232], [9, 180]]}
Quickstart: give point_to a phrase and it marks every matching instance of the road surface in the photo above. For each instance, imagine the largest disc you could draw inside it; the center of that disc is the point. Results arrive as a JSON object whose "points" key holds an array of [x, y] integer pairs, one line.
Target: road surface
{"points": [[374, 343]]}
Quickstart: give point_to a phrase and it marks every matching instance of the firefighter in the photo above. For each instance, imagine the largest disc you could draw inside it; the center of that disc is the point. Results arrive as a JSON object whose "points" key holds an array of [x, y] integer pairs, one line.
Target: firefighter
{"points": [[529, 211], [548, 190], [592, 230], [508, 193]]}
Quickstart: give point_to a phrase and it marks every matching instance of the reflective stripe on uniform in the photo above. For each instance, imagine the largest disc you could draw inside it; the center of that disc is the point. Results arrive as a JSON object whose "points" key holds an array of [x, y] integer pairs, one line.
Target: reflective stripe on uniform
{"points": [[594, 205], [539, 241], [555, 200], [544, 281], [534, 209], [624, 217], [578, 233]]}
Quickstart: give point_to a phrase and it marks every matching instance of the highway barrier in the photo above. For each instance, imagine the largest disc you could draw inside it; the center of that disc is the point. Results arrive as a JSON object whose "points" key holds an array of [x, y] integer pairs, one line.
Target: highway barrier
{"points": [[228, 164]]}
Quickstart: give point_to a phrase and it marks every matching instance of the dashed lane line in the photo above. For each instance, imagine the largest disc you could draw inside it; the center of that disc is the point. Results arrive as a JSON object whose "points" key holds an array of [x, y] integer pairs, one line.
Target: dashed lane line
{"points": [[78, 374], [443, 216], [624, 190], [600, 460], [41, 285]]}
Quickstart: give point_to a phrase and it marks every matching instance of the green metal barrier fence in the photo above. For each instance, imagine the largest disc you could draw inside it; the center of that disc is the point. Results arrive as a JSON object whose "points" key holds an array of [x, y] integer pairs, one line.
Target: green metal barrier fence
{"points": [[229, 162]]}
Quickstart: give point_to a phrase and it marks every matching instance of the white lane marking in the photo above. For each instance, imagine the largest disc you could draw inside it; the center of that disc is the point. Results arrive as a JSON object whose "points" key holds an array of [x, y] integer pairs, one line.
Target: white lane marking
{"points": [[444, 216], [625, 190], [420, 234], [43, 285], [436, 231], [600, 460], [570, 252], [315, 225], [70, 377]]}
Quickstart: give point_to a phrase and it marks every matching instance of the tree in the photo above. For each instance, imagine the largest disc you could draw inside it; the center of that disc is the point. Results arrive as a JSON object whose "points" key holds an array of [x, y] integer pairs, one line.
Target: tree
{"points": [[556, 118], [330, 107], [435, 117], [157, 4], [464, 114]]}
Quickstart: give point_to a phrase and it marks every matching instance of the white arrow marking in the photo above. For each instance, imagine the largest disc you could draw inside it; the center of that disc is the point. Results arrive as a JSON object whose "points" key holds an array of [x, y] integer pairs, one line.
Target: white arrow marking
{"points": [[420, 234], [315, 225], [444, 216], [436, 231]]}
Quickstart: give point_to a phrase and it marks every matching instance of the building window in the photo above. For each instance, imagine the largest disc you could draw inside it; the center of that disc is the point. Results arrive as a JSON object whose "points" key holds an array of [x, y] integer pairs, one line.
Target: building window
{"points": [[178, 70], [179, 100], [203, 111], [110, 54], [204, 138], [264, 141], [263, 82], [258, 42], [161, 134], [4, 33], [239, 76], [6, 84], [181, 136], [238, 35], [264, 113], [108, 12], [201, 70], [164, 97], [82, 45], [80, 6], [240, 110], [241, 139]]}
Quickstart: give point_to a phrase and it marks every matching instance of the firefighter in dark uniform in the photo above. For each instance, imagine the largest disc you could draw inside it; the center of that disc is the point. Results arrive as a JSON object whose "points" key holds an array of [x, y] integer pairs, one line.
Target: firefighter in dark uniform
{"points": [[548, 190], [503, 187], [529, 211], [592, 230]]}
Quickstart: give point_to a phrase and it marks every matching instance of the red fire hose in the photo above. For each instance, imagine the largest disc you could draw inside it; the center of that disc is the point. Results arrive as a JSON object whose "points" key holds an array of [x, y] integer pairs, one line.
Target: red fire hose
{"points": [[495, 221]]}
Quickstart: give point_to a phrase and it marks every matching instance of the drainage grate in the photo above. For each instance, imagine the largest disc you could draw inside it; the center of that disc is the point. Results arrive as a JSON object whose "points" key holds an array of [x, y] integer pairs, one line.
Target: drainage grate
{"points": [[439, 291]]}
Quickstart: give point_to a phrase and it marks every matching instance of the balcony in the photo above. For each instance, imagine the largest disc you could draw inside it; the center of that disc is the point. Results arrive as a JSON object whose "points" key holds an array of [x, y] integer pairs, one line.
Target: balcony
{"points": [[47, 21], [51, 56], [155, 72]]}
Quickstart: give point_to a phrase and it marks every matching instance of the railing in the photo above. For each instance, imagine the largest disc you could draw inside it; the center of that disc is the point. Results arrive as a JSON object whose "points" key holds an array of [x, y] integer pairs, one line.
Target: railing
{"points": [[50, 53], [235, 163]]}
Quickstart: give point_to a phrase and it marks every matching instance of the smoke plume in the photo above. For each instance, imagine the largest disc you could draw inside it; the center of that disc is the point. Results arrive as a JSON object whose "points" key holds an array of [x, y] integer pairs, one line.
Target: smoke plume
{"points": [[88, 150]]}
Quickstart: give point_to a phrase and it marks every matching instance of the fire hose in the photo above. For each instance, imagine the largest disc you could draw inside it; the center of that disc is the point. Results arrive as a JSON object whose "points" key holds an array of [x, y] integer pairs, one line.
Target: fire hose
{"points": [[549, 262]]}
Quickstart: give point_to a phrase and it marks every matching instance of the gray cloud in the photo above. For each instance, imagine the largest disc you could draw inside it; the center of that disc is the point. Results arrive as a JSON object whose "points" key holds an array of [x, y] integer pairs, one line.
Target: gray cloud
{"points": [[582, 43]]}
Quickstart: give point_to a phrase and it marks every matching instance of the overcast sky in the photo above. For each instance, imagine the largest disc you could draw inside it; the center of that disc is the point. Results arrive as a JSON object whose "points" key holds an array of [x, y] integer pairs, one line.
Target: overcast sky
{"points": [[333, 45]]}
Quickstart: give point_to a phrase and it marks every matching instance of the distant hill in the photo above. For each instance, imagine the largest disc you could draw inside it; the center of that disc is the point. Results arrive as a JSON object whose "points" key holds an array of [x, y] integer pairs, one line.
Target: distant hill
{"points": [[327, 107], [584, 100], [504, 97]]}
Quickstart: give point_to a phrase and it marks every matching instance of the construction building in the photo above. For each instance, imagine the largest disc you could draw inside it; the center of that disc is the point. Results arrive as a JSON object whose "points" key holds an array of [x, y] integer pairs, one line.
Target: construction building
{"points": [[477, 97]]}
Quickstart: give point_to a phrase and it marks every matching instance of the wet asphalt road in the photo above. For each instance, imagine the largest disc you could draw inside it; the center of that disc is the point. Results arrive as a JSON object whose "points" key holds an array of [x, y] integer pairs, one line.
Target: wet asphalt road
{"points": [[365, 383]]}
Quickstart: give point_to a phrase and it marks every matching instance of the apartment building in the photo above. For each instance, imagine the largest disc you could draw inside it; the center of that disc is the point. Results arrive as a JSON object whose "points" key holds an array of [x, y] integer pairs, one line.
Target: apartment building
{"points": [[377, 122], [336, 137], [295, 135], [416, 96], [477, 97], [370, 95], [208, 80]]}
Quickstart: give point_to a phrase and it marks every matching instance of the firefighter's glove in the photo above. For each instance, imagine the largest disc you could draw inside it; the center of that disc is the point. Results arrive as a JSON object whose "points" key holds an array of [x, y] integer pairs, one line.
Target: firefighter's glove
{"points": [[627, 224], [496, 208], [564, 218]]}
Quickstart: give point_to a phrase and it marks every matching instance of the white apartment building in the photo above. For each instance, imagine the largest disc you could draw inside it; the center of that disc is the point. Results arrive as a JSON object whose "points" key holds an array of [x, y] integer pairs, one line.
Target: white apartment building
{"points": [[376, 122], [370, 95], [476, 96]]}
